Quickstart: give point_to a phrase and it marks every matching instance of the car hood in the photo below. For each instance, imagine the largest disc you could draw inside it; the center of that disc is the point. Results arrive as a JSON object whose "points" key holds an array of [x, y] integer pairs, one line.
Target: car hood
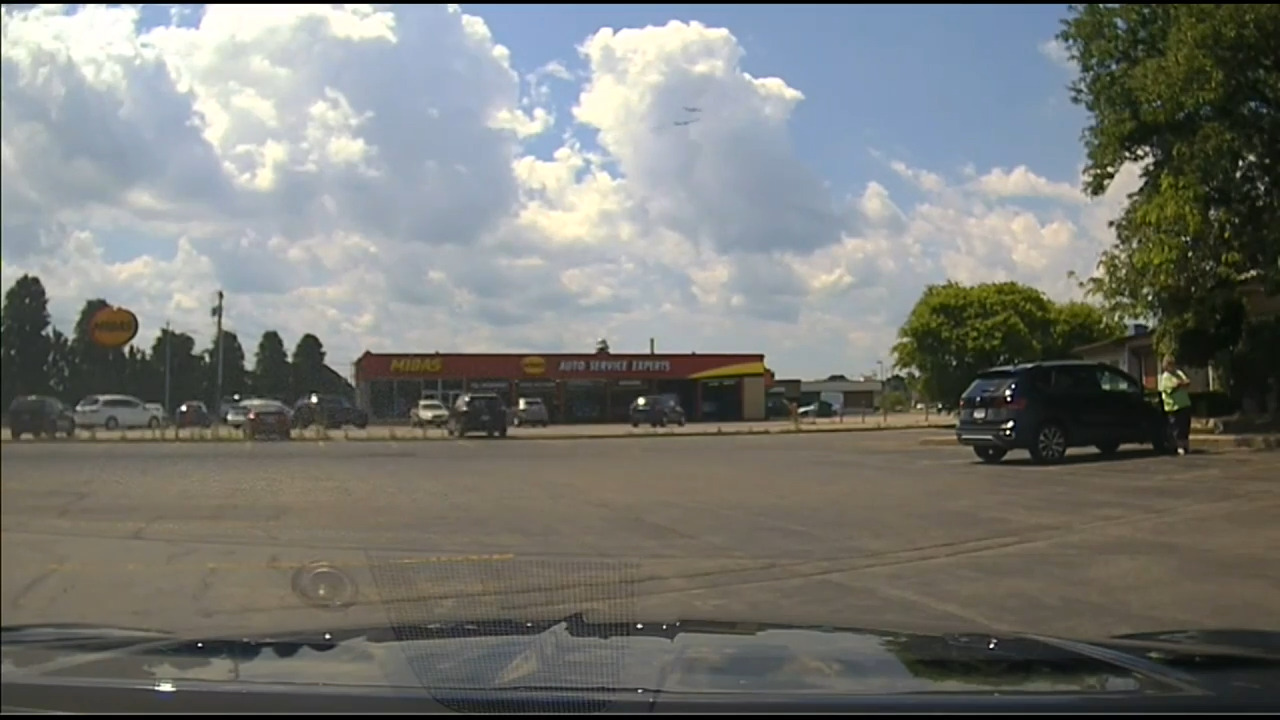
{"points": [[695, 657]]}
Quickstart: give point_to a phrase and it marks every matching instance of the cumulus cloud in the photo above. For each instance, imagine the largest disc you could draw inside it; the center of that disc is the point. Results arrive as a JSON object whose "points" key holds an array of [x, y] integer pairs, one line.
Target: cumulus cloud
{"points": [[1055, 52], [364, 173]]}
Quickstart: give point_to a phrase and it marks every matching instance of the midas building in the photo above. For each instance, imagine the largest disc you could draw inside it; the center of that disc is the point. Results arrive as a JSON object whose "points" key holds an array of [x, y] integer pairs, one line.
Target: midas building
{"points": [[589, 388]]}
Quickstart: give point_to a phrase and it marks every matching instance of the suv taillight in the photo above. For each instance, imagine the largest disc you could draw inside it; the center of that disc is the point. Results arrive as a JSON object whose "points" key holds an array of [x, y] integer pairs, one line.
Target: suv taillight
{"points": [[1014, 403]]}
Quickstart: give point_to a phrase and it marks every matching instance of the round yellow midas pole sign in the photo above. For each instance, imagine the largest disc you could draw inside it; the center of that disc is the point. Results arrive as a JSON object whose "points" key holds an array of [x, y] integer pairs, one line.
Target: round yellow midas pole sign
{"points": [[113, 327], [533, 365]]}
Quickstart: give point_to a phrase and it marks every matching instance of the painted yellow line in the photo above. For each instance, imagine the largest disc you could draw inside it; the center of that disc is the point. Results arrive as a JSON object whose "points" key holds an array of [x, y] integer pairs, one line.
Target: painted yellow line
{"points": [[278, 565]]}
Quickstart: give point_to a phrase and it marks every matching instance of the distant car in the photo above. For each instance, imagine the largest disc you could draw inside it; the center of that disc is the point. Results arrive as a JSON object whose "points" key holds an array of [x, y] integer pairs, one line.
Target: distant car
{"points": [[40, 415], [193, 413], [116, 411], [1048, 407], [333, 411], [235, 415], [159, 410], [531, 412], [657, 411], [478, 412], [429, 413], [820, 409], [267, 419]]}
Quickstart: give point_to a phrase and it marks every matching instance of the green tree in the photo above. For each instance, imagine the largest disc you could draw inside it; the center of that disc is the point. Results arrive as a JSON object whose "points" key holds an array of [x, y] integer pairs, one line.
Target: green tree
{"points": [[235, 378], [141, 378], [955, 331], [1192, 92], [61, 365], [309, 371], [1078, 323], [24, 339], [186, 368], [272, 374]]}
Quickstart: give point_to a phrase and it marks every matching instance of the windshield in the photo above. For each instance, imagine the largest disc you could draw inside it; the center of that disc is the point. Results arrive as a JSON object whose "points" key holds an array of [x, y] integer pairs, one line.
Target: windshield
{"points": [[934, 320]]}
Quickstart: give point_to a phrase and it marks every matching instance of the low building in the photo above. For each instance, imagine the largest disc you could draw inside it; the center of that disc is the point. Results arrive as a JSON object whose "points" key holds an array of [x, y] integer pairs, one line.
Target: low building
{"points": [[1135, 353], [857, 394], [578, 388]]}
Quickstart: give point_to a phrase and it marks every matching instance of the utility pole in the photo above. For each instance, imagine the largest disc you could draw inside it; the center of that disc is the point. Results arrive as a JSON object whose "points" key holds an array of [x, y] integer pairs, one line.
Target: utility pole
{"points": [[168, 366], [217, 385]]}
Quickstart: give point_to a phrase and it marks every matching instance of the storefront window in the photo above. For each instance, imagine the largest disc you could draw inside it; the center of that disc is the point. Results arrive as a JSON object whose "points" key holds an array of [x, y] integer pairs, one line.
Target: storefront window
{"points": [[584, 401], [546, 391], [721, 400], [620, 396], [382, 398], [501, 388], [405, 396]]}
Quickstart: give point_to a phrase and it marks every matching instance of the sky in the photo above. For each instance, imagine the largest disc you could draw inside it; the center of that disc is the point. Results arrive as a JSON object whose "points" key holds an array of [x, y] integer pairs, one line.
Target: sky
{"points": [[508, 178]]}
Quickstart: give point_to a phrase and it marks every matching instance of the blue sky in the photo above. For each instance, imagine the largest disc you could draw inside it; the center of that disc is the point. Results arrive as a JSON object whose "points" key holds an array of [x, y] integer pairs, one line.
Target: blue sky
{"points": [[936, 86], [730, 221]]}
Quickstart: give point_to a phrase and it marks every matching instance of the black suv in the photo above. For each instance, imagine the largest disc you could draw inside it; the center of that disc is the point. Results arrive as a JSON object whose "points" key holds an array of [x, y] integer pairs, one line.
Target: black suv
{"points": [[478, 412], [333, 411], [1048, 407], [656, 410], [40, 415]]}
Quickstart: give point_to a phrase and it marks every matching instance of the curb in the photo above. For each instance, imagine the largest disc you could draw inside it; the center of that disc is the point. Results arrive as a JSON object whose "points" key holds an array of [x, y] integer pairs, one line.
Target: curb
{"points": [[544, 437], [1210, 442]]}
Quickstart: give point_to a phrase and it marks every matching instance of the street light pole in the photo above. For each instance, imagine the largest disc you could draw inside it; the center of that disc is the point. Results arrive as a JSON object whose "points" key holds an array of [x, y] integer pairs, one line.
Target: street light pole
{"points": [[217, 385], [168, 366]]}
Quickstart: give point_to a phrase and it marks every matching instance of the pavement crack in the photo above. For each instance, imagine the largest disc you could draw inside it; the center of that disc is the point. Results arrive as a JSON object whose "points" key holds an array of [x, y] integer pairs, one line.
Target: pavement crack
{"points": [[19, 598]]}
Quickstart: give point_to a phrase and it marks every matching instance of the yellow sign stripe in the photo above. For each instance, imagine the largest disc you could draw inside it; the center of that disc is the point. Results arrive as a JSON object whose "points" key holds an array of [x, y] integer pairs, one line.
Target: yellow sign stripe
{"points": [[748, 368]]}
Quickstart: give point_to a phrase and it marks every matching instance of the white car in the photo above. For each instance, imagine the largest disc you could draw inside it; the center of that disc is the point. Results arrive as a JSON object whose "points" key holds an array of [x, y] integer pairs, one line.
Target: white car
{"points": [[429, 413], [116, 411], [159, 410], [236, 415]]}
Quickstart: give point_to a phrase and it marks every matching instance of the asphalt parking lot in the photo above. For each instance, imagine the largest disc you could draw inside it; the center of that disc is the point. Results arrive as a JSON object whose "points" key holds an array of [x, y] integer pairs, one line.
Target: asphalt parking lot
{"points": [[404, 432], [863, 529]]}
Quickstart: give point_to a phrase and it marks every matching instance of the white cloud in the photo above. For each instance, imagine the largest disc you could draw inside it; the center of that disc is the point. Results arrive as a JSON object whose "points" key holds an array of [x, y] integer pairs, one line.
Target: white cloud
{"points": [[362, 174], [1055, 52]]}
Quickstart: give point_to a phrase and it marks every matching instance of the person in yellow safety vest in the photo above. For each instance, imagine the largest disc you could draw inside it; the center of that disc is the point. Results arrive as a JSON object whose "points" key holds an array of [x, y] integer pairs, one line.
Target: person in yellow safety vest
{"points": [[1177, 403]]}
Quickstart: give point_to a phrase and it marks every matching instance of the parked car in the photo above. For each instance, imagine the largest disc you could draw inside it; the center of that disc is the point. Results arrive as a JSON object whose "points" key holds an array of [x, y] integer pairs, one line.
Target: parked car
{"points": [[478, 412], [193, 413], [40, 415], [116, 411], [1048, 407], [266, 419], [159, 410], [531, 412], [333, 411], [235, 415], [429, 413], [656, 410]]}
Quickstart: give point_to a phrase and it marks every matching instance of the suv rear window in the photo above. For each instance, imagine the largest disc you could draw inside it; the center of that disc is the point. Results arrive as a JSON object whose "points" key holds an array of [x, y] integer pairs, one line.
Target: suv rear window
{"points": [[27, 403], [990, 384]]}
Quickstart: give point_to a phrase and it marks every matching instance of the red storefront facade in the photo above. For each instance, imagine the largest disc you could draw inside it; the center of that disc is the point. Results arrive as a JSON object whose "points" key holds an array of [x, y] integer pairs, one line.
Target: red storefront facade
{"points": [[577, 388]]}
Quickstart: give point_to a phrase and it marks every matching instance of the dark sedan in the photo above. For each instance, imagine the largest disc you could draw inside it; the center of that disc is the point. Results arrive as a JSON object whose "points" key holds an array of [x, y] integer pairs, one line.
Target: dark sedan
{"points": [[267, 419], [194, 413]]}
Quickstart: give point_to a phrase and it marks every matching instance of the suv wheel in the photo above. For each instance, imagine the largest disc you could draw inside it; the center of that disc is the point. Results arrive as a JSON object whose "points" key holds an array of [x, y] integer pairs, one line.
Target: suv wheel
{"points": [[1050, 445], [990, 454]]}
